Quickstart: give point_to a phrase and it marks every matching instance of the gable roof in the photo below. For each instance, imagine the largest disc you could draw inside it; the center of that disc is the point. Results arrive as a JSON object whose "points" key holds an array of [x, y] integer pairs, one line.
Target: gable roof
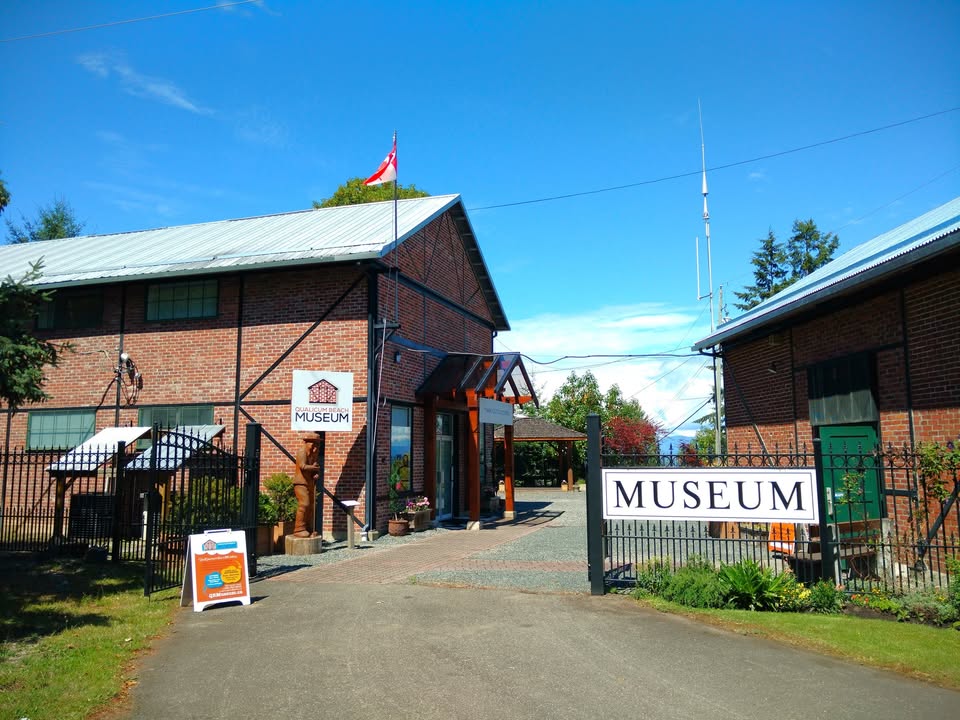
{"points": [[321, 236], [903, 247], [526, 429]]}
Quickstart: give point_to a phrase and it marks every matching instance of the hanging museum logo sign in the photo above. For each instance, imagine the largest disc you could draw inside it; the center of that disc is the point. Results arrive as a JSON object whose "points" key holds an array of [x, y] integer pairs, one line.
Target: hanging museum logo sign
{"points": [[321, 401], [784, 495]]}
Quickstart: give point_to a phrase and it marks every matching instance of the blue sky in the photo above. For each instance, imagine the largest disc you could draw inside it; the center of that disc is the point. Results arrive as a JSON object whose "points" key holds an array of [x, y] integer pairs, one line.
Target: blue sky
{"points": [[263, 107]]}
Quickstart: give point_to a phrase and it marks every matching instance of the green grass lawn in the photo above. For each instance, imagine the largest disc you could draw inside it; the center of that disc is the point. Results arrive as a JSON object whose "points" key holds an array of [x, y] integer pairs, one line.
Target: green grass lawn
{"points": [[69, 632], [919, 651]]}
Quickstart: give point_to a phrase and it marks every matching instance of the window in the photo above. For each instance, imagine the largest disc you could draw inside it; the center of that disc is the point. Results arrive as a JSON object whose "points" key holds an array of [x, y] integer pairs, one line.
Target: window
{"points": [[61, 429], [181, 300], [70, 310], [401, 426], [171, 416]]}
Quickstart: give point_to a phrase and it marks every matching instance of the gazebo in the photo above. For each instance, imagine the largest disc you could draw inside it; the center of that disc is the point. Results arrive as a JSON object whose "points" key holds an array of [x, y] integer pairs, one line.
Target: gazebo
{"points": [[535, 430]]}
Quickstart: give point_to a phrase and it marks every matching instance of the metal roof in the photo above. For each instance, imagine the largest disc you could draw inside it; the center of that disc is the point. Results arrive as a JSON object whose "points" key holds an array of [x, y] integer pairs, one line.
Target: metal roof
{"points": [[538, 430], [176, 447], [327, 235], [91, 454], [919, 239]]}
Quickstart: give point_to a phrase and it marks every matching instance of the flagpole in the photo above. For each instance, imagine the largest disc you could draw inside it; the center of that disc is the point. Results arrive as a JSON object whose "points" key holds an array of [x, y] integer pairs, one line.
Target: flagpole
{"points": [[396, 238]]}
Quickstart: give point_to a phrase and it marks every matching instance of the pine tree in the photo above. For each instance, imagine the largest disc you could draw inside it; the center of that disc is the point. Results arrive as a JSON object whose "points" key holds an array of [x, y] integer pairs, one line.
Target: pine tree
{"points": [[769, 272]]}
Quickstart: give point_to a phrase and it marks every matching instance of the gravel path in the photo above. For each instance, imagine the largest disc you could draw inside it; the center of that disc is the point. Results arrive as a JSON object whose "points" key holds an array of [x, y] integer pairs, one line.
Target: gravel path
{"points": [[552, 558]]}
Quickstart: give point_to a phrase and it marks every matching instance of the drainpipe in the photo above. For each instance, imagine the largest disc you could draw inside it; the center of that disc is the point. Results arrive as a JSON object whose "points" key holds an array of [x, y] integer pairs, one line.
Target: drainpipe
{"points": [[370, 476]]}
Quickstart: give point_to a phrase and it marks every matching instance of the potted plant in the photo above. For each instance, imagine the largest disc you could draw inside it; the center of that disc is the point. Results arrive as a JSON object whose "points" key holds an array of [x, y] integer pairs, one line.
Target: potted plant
{"points": [[283, 507], [397, 525], [418, 512]]}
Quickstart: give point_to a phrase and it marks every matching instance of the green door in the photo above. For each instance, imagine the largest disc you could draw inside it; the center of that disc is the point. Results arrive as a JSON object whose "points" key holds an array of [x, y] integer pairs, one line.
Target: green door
{"points": [[850, 476]]}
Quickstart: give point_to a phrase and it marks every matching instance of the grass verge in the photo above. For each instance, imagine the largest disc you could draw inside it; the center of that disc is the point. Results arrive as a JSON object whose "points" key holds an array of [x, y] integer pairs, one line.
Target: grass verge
{"points": [[918, 651], [69, 632]]}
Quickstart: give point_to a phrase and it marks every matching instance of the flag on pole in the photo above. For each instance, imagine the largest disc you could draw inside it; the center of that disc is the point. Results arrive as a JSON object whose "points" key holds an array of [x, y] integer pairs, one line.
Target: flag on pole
{"points": [[387, 172]]}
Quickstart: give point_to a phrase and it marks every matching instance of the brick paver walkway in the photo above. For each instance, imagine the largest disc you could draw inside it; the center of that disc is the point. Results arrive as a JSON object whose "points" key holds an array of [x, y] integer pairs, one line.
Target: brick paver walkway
{"points": [[445, 551]]}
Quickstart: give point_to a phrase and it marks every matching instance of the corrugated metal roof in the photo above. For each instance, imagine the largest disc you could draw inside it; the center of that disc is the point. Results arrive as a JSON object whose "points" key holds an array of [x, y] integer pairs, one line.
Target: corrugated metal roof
{"points": [[176, 447], [326, 235], [902, 247], [92, 453]]}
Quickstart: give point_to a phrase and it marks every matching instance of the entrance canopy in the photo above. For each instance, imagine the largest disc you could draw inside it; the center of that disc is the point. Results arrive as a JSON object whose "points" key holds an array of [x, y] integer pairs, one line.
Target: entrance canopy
{"points": [[500, 376], [459, 382]]}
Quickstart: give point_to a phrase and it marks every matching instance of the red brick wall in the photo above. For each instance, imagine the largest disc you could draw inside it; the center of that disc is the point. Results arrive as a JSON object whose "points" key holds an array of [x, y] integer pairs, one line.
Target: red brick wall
{"points": [[929, 354], [195, 361]]}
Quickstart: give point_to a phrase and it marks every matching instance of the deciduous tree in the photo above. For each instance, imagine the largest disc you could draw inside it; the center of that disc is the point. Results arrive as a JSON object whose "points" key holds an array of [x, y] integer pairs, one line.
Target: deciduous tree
{"points": [[23, 357], [53, 221], [354, 192]]}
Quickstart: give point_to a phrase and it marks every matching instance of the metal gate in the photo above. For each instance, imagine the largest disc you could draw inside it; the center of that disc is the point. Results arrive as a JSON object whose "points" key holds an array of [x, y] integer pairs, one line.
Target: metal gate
{"points": [[191, 486], [889, 520]]}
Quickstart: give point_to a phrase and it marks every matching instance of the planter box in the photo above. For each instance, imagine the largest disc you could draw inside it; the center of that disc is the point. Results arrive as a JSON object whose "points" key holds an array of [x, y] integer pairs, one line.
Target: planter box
{"points": [[264, 540], [280, 531], [419, 520]]}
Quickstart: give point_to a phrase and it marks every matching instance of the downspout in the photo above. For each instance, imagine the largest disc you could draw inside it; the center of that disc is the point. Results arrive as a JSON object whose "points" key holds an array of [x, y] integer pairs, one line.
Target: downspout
{"points": [[236, 385], [123, 314], [370, 476], [746, 407], [906, 365]]}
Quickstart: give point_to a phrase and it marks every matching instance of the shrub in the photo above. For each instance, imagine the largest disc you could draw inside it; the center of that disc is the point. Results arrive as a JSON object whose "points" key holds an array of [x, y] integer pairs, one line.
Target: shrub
{"points": [[280, 497], [930, 606], [953, 593], [695, 585], [794, 595], [652, 577], [825, 597], [880, 601], [748, 586]]}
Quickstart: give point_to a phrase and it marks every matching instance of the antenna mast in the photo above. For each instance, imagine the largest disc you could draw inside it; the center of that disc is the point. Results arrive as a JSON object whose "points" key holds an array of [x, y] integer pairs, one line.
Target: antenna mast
{"points": [[706, 223]]}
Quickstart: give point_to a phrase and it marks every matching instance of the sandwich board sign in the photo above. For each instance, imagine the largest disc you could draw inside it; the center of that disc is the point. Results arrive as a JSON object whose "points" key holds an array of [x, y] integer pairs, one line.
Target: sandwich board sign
{"points": [[216, 569]]}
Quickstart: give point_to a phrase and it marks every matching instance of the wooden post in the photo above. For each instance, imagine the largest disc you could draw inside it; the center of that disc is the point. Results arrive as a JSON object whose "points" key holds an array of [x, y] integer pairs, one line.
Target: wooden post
{"points": [[430, 453], [568, 462], [509, 512], [473, 460]]}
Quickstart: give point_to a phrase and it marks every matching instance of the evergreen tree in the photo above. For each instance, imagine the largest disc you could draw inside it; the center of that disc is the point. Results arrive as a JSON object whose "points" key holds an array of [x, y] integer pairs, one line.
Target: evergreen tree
{"points": [[769, 272], [777, 266]]}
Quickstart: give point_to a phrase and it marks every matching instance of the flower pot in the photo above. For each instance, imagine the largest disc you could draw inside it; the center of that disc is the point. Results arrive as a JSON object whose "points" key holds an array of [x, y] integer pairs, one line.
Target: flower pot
{"points": [[419, 520], [398, 527]]}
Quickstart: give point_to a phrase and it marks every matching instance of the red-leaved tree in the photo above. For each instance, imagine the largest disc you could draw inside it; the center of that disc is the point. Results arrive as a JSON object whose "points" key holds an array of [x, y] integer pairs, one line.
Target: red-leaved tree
{"points": [[631, 436]]}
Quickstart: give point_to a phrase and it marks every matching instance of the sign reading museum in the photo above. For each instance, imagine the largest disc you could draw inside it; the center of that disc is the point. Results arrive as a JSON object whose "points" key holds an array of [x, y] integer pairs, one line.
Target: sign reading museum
{"points": [[786, 495], [321, 401]]}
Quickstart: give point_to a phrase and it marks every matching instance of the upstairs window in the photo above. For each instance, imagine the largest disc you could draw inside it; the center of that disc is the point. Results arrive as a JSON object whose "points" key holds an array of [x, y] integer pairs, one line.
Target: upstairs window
{"points": [[60, 429], [182, 300], [71, 310]]}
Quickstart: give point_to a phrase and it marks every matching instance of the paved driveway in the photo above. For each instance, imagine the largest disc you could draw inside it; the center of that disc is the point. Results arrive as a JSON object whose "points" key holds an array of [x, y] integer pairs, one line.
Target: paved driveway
{"points": [[352, 638]]}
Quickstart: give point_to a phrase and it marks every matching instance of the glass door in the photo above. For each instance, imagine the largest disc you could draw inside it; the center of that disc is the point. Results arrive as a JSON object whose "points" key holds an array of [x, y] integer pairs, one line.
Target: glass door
{"points": [[445, 466]]}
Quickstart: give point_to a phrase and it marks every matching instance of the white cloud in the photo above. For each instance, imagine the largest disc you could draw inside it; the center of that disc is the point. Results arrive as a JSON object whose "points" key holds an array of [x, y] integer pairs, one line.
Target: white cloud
{"points": [[106, 65], [258, 127], [668, 388]]}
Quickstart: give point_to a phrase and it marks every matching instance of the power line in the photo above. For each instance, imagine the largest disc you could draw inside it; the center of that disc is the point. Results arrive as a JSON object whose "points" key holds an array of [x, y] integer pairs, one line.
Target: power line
{"points": [[127, 22], [684, 421], [718, 167]]}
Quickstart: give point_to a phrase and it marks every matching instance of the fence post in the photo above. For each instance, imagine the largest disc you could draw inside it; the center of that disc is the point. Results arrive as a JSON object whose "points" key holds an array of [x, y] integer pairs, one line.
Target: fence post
{"points": [[594, 507], [251, 491], [827, 569], [118, 482]]}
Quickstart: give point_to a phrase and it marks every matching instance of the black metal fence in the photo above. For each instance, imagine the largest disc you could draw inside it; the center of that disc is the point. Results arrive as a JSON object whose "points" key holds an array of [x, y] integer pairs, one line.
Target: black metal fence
{"points": [[128, 503], [889, 519]]}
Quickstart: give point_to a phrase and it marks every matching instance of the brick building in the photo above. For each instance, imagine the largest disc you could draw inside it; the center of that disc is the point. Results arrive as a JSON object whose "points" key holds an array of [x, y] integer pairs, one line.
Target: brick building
{"points": [[861, 353], [205, 324]]}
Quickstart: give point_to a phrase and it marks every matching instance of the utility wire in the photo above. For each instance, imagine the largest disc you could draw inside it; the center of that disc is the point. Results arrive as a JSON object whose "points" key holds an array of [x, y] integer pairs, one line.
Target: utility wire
{"points": [[687, 419], [127, 22], [718, 167]]}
